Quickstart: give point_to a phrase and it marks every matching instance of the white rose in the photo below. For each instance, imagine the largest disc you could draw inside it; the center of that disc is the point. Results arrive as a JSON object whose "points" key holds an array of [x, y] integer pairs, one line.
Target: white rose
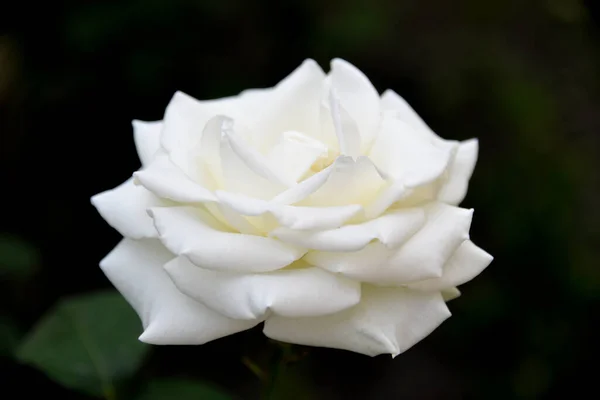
{"points": [[317, 206]]}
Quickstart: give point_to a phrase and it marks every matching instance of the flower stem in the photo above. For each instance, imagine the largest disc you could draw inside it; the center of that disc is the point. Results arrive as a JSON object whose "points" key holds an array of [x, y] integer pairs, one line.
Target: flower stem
{"points": [[255, 369], [277, 370]]}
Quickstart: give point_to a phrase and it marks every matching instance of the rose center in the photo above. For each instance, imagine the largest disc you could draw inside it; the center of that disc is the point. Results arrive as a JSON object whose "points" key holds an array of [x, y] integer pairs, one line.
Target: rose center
{"points": [[324, 161], [299, 156]]}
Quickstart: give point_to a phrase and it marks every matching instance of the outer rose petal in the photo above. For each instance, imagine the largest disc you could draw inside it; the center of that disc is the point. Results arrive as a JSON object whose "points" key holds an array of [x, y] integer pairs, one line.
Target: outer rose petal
{"points": [[390, 229], [460, 168], [422, 256], [147, 139], [387, 320], [406, 155], [428, 250], [195, 234], [450, 294], [465, 264], [358, 265], [184, 120], [166, 180], [124, 208], [454, 189], [391, 101], [296, 292], [168, 316]]}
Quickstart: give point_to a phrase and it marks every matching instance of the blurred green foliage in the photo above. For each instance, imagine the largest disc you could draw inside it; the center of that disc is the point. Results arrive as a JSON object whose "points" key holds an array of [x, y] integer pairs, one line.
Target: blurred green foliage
{"points": [[9, 337], [522, 76], [18, 258], [88, 343]]}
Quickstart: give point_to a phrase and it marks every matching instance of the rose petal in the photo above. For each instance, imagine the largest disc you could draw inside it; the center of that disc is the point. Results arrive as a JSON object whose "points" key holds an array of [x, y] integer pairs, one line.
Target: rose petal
{"points": [[246, 175], [355, 264], [183, 122], [390, 229], [247, 205], [454, 189], [345, 128], [387, 320], [302, 190], [357, 96], [422, 256], [465, 264], [168, 316], [243, 204], [460, 169], [166, 180], [315, 218], [419, 196], [405, 155], [124, 208], [391, 101], [185, 117], [233, 219], [291, 292], [426, 252], [293, 105], [208, 163], [197, 235], [147, 139], [349, 182], [450, 294], [255, 161], [295, 154], [293, 217], [389, 195], [252, 101]]}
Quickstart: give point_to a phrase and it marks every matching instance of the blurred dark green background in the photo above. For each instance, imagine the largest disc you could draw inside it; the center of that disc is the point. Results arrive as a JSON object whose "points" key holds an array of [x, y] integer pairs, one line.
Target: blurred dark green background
{"points": [[522, 76]]}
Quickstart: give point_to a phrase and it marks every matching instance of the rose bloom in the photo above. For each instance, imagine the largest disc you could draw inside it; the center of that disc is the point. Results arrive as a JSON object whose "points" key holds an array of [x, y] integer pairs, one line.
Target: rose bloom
{"points": [[318, 207]]}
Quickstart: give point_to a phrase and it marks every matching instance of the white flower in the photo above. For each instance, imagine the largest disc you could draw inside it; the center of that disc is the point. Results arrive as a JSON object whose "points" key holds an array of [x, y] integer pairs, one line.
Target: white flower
{"points": [[317, 206]]}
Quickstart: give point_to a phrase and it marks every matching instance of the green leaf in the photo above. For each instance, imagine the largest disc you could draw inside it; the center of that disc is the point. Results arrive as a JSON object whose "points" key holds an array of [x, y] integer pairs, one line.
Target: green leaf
{"points": [[9, 337], [181, 389], [18, 259], [87, 343]]}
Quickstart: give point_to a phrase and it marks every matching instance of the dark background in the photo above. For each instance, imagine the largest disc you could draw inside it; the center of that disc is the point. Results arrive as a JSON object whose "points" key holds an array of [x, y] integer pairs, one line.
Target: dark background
{"points": [[522, 76]]}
